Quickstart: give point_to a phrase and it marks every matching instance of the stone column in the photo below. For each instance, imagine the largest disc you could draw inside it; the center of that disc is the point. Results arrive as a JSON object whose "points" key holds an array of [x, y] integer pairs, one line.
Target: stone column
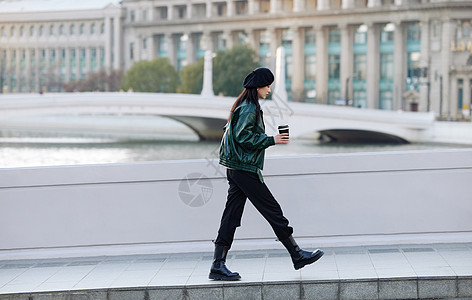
{"points": [[448, 32], [274, 43], [170, 12], [274, 8], [87, 59], [251, 6], [323, 4], [346, 61], [298, 63], [67, 58], [253, 40], [171, 49], [151, 47], [228, 34], [208, 8], [348, 4], [321, 66], [190, 48], [229, 8], [27, 69], [374, 3], [373, 56], [108, 39], [117, 43], [399, 63], [189, 10], [424, 63], [299, 5]]}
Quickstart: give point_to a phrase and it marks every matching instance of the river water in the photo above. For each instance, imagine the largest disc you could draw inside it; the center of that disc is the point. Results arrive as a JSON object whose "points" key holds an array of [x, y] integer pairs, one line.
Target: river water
{"points": [[30, 150]]}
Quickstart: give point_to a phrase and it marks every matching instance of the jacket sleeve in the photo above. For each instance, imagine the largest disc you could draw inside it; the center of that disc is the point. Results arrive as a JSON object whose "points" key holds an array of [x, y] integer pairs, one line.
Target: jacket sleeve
{"points": [[244, 134]]}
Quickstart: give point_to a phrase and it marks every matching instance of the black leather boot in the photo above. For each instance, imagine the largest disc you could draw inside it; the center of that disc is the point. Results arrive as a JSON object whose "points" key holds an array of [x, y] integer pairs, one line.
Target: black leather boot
{"points": [[218, 270], [300, 258]]}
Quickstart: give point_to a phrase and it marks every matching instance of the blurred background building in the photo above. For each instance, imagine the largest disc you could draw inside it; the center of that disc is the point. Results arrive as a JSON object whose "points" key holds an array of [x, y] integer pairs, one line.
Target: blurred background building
{"points": [[383, 54]]}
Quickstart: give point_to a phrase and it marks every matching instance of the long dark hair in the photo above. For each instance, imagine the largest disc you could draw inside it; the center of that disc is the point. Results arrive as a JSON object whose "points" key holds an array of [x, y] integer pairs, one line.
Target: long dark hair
{"points": [[248, 94]]}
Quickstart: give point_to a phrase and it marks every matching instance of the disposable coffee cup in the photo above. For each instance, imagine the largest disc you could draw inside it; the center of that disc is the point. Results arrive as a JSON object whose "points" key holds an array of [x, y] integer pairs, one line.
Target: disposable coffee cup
{"points": [[283, 129]]}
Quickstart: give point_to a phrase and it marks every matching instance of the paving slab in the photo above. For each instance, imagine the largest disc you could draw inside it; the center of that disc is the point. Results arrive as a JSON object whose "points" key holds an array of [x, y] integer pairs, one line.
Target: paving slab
{"points": [[433, 271]]}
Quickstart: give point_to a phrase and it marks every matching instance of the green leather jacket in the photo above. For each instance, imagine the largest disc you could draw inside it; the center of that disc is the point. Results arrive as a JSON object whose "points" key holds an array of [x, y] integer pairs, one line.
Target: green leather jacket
{"points": [[244, 142]]}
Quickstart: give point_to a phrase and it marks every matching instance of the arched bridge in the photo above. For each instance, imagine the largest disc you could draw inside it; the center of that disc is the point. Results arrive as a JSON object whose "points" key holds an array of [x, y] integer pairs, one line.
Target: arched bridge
{"points": [[206, 116]]}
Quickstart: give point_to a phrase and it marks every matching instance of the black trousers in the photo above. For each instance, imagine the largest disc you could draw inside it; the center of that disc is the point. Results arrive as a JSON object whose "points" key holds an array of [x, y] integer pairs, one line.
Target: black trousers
{"points": [[243, 185]]}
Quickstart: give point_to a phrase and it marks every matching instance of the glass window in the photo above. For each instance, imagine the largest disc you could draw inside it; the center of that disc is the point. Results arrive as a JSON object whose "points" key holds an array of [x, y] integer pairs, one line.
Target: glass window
{"points": [[387, 33], [360, 66], [62, 30], [386, 65], [41, 30], [52, 30], [334, 36], [13, 31], [102, 28], [131, 51], [93, 29], [22, 31], [413, 31], [132, 16], [72, 29], [82, 29], [334, 66], [310, 36]]}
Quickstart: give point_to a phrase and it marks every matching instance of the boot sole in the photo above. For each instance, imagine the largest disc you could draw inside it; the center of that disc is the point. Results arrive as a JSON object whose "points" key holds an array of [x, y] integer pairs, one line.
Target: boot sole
{"points": [[215, 276], [301, 264]]}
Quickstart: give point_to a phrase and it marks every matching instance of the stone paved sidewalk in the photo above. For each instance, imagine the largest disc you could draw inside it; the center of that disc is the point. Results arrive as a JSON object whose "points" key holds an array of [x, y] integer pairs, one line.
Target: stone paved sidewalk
{"points": [[441, 271]]}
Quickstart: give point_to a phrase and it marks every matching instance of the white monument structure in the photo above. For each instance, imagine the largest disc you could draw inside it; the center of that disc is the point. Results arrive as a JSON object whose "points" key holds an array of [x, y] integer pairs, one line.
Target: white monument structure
{"points": [[207, 90]]}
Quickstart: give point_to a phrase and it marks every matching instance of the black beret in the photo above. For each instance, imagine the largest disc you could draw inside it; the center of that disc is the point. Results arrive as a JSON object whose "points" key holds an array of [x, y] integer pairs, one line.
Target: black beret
{"points": [[258, 78]]}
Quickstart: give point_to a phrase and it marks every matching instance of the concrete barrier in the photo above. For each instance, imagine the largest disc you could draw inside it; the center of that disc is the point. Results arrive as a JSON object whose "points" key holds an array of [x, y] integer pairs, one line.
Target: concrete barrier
{"points": [[175, 206]]}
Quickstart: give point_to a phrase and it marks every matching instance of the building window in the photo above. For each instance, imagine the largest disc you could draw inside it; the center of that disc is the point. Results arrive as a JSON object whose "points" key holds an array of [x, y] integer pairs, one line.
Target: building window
{"points": [[72, 29], [264, 48], [241, 7], [161, 46], [287, 39], [221, 9], [62, 31], [181, 12], [161, 13], [242, 38], [145, 15], [334, 64], [132, 16], [436, 29], [131, 51], [41, 30], [145, 43], [264, 6], [464, 29], [52, 30], [82, 29], [102, 28], [32, 31], [3, 31], [460, 94], [13, 31], [93, 29]]}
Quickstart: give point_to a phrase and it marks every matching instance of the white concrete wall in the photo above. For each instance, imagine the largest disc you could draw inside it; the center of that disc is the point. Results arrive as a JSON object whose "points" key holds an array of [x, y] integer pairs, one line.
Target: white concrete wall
{"points": [[342, 199]]}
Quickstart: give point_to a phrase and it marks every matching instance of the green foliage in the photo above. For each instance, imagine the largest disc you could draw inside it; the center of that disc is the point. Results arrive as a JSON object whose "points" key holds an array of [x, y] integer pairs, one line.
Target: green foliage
{"points": [[191, 77], [231, 67], [156, 76]]}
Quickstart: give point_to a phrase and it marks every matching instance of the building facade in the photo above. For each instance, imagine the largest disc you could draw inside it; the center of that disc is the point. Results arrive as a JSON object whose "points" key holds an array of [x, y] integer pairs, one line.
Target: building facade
{"points": [[381, 54], [45, 46]]}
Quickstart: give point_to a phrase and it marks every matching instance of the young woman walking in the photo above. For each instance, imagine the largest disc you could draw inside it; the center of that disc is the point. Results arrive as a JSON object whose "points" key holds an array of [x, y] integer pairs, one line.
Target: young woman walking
{"points": [[242, 152]]}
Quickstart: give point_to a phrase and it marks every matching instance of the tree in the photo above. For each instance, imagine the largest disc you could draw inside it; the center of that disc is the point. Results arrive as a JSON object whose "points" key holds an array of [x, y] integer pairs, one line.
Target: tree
{"points": [[99, 81], [230, 69], [191, 77], [153, 76]]}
